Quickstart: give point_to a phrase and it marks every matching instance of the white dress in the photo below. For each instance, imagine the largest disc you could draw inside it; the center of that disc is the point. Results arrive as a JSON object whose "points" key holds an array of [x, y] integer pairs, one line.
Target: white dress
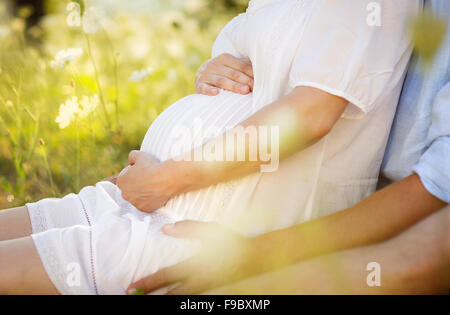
{"points": [[325, 44]]}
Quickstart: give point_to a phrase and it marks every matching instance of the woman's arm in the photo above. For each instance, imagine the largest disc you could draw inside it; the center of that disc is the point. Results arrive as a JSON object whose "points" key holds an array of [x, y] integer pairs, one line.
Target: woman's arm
{"points": [[230, 257], [301, 118]]}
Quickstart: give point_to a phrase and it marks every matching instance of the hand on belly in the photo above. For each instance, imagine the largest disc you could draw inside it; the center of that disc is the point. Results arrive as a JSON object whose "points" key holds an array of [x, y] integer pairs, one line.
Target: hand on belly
{"points": [[139, 184]]}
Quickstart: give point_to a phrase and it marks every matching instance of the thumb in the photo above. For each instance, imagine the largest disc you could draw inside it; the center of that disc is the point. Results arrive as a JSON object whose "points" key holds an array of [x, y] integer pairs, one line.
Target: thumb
{"points": [[191, 229], [132, 157]]}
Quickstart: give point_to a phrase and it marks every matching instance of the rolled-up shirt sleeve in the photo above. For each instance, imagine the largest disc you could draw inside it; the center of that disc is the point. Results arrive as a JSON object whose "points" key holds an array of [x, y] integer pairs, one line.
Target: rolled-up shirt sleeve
{"points": [[433, 167]]}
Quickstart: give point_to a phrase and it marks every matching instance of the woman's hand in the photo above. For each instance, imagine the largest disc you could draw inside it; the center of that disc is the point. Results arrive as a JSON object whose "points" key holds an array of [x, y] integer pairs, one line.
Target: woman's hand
{"points": [[224, 257], [225, 72], [142, 185], [112, 179]]}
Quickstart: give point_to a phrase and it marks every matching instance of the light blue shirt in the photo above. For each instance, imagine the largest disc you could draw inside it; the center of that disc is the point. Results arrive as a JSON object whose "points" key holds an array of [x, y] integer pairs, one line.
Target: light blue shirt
{"points": [[420, 137]]}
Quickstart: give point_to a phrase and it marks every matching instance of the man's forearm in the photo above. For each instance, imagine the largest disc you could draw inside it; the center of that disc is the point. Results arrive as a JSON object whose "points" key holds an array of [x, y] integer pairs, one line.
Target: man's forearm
{"points": [[376, 218], [416, 261], [301, 118]]}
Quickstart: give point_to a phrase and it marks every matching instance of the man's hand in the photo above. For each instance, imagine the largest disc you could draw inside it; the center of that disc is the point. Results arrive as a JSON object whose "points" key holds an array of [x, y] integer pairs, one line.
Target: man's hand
{"points": [[225, 72], [224, 257], [139, 185]]}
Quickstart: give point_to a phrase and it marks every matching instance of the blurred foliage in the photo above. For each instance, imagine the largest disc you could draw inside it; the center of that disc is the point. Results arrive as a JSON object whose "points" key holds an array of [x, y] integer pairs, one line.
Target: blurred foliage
{"points": [[39, 159], [428, 32]]}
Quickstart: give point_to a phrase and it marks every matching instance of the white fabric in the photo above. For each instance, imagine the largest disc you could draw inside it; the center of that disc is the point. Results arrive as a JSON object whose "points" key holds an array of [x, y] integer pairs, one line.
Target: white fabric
{"points": [[325, 44]]}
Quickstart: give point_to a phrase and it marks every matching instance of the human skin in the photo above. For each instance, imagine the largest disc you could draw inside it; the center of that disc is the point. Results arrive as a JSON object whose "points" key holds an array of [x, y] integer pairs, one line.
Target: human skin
{"points": [[246, 257], [14, 223], [231, 257], [148, 184], [311, 114], [416, 261], [21, 269], [422, 206], [225, 72], [375, 219]]}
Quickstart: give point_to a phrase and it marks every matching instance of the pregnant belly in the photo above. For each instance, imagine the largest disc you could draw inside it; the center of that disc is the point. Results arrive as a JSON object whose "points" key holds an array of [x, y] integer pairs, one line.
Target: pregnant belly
{"points": [[192, 121]]}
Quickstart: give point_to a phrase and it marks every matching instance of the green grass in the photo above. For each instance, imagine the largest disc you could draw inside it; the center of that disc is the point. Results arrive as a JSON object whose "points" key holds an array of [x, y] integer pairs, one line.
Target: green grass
{"points": [[38, 158]]}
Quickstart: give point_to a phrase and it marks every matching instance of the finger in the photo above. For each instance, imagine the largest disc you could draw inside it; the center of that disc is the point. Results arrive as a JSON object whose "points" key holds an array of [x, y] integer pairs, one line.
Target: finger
{"points": [[160, 279], [206, 89], [112, 179], [248, 67], [232, 74], [240, 64], [135, 155], [191, 229], [123, 172], [132, 157], [225, 83], [151, 157]]}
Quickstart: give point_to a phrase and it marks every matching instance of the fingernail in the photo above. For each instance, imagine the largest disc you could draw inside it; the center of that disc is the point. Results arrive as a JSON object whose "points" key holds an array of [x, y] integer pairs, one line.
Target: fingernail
{"points": [[215, 91], [244, 88], [135, 291]]}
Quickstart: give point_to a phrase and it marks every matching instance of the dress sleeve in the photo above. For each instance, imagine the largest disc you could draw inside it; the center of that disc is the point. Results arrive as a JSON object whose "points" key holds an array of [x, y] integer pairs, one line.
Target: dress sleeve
{"points": [[433, 167], [358, 50]]}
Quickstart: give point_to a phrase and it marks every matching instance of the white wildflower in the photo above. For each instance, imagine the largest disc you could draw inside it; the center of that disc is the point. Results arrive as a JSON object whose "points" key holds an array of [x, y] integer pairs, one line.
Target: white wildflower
{"points": [[74, 17], [67, 112], [92, 20], [73, 108], [138, 75], [10, 198], [65, 57], [88, 105]]}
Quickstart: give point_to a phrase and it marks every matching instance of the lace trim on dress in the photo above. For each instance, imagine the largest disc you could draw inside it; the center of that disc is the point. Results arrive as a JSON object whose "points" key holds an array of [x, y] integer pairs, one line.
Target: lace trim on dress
{"points": [[53, 266], [91, 248], [38, 218], [48, 252]]}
